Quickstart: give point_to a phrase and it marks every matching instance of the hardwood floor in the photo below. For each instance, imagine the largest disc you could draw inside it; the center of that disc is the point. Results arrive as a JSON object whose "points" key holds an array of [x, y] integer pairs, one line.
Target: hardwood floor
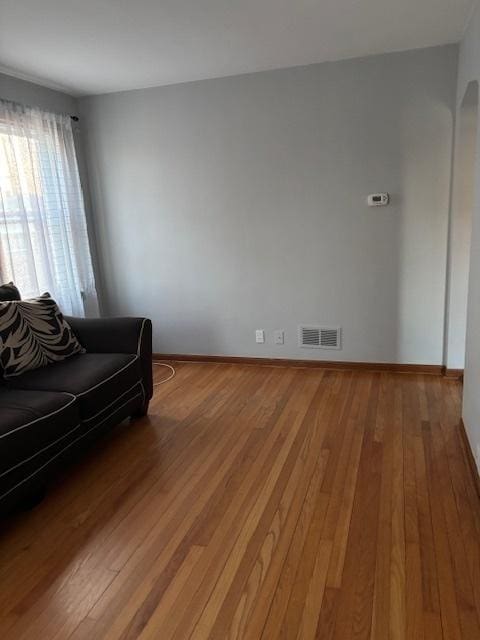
{"points": [[260, 503]]}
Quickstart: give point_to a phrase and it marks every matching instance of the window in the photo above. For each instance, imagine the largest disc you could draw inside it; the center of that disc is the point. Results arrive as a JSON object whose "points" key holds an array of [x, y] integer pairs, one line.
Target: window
{"points": [[43, 234]]}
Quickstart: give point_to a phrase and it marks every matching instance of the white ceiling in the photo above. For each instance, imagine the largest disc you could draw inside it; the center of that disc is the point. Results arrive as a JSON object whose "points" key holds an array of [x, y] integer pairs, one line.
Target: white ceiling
{"points": [[98, 46]]}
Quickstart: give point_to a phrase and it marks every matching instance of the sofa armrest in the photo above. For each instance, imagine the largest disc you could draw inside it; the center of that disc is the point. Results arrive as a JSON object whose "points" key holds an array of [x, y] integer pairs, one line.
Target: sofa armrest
{"points": [[118, 335]]}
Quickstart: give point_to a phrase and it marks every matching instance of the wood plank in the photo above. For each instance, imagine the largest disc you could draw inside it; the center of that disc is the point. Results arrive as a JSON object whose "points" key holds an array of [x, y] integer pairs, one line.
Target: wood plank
{"points": [[328, 415], [384, 434]]}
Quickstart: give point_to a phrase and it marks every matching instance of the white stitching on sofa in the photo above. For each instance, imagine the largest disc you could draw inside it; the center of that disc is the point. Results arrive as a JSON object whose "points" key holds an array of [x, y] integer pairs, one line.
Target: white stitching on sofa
{"points": [[99, 384], [40, 450], [74, 398], [116, 400], [138, 395], [139, 345], [65, 448], [3, 435]]}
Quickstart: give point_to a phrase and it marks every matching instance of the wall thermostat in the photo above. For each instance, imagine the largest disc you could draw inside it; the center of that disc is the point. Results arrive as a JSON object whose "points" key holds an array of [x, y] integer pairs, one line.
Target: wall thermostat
{"points": [[378, 199]]}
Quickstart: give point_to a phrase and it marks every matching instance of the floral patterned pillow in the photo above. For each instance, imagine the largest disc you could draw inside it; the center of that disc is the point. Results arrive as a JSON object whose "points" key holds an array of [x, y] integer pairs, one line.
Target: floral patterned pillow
{"points": [[34, 333]]}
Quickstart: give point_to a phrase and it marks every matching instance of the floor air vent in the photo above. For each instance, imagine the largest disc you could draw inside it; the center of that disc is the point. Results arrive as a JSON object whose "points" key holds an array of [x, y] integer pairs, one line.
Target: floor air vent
{"points": [[314, 337]]}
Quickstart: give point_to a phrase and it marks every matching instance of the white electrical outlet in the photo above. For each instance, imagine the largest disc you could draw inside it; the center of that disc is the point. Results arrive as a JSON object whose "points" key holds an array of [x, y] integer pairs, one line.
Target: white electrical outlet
{"points": [[259, 336], [279, 336]]}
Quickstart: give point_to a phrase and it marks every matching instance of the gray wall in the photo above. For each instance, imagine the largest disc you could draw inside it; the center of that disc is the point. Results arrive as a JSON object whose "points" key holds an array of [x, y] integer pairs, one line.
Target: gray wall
{"points": [[35, 95], [227, 205], [469, 71]]}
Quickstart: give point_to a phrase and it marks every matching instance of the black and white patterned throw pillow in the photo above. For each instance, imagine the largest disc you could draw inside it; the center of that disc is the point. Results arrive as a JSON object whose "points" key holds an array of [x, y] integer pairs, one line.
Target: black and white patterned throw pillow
{"points": [[34, 333]]}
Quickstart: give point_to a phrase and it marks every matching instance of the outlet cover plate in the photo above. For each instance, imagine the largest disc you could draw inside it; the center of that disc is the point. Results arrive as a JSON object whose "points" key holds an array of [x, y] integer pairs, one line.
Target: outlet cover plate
{"points": [[259, 336]]}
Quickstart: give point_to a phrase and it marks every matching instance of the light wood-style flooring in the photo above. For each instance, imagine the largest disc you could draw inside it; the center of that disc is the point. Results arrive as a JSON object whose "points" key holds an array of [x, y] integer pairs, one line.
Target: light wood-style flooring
{"points": [[261, 503]]}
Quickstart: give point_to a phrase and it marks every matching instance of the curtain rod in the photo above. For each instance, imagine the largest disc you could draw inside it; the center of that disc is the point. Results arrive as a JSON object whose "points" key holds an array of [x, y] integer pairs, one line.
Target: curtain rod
{"points": [[27, 106]]}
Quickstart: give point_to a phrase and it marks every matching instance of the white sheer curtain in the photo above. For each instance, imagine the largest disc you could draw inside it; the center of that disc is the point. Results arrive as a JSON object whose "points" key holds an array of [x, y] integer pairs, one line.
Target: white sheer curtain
{"points": [[43, 233]]}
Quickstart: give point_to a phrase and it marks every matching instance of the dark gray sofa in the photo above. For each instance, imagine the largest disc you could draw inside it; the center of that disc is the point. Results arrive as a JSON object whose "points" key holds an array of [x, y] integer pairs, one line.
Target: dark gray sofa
{"points": [[50, 413]]}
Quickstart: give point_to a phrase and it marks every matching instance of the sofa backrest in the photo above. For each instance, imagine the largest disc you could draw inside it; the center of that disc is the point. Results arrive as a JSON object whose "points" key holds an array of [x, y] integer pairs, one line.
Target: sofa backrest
{"points": [[9, 292]]}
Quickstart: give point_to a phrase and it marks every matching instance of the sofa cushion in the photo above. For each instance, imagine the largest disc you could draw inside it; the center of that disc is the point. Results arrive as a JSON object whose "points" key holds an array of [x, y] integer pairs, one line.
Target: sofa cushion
{"points": [[34, 333], [31, 421], [102, 382], [9, 292]]}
